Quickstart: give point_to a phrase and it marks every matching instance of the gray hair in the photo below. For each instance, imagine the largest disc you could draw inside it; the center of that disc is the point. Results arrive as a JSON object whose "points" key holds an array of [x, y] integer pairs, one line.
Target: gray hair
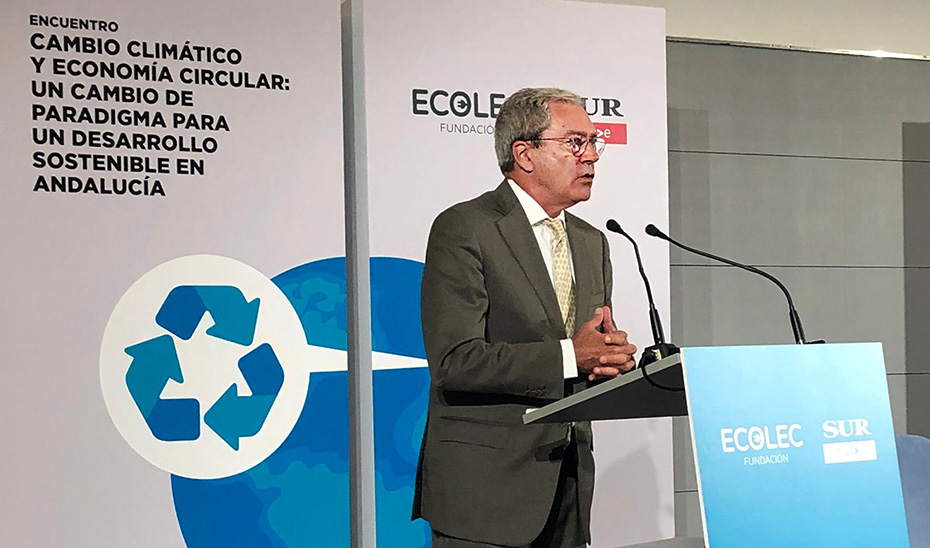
{"points": [[523, 117]]}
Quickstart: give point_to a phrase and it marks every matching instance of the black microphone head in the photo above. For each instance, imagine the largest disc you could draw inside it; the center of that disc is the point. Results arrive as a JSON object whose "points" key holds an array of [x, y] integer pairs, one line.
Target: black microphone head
{"points": [[614, 226], [652, 230]]}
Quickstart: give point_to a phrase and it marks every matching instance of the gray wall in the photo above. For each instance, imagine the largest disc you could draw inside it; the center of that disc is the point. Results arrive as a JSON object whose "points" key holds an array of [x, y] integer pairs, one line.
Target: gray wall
{"points": [[890, 25], [815, 167]]}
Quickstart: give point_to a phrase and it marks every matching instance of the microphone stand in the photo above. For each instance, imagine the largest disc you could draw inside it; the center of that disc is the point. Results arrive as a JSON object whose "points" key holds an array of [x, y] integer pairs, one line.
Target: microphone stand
{"points": [[660, 349]]}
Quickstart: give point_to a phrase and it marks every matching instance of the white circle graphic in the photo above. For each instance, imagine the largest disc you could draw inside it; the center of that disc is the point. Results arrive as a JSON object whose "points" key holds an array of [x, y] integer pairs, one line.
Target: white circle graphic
{"points": [[253, 420]]}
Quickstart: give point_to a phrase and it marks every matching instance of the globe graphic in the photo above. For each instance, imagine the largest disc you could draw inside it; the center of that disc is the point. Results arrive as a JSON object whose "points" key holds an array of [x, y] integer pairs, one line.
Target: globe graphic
{"points": [[299, 496]]}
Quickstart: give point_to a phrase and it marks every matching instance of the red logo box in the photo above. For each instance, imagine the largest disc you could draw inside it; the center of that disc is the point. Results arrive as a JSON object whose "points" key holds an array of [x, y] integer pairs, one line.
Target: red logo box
{"points": [[614, 134]]}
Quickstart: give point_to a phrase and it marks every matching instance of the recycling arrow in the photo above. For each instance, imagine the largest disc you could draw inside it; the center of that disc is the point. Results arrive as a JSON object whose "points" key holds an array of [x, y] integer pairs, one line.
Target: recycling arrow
{"points": [[232, 416], [234, 317], [154, 363]]}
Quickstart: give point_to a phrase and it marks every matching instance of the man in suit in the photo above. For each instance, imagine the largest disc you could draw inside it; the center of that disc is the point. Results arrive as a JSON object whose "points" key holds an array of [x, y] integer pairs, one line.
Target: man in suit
{"points": [[506, 276]]}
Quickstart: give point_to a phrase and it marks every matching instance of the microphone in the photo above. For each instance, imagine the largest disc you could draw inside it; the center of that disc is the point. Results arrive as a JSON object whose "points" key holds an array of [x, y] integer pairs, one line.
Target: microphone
{"points": [[661, 348], [793, 316]]}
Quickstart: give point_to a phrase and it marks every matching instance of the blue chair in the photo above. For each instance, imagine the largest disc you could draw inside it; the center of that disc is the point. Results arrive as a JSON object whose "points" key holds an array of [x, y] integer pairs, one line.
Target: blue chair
{"points": [[914, 462]]}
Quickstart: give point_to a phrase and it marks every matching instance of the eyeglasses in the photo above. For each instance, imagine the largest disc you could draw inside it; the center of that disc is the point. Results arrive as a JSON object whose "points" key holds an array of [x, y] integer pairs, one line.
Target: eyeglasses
{"points": [[577, 144]]}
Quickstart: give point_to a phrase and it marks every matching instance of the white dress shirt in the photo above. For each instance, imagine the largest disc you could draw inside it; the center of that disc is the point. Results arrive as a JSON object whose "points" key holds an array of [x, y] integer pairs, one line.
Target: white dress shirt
{"points": [[536, 216]]}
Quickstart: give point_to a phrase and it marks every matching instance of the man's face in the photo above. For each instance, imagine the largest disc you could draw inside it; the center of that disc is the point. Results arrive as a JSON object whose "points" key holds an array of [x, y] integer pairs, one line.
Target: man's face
{"points": [[562, 178]]}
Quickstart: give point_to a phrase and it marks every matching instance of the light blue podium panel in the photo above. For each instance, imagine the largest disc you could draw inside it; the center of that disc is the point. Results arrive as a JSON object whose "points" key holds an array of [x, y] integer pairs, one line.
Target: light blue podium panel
{"points": [[794, 446]]}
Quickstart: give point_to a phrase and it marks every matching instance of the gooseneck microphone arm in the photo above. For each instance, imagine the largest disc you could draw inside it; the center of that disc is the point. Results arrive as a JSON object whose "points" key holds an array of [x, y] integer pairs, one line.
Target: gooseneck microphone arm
{"points": [[658, 334], [661, 348], [793, 316]]}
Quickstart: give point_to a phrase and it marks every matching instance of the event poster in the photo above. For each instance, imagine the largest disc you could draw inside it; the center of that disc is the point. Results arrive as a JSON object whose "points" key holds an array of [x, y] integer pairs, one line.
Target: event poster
{"points": [[432, 95], [172, 204], [174, 231]]}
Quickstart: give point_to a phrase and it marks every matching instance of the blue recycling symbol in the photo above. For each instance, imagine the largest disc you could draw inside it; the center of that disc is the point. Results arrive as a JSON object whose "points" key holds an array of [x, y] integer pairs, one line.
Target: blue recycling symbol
{"points": [[155, 362]]}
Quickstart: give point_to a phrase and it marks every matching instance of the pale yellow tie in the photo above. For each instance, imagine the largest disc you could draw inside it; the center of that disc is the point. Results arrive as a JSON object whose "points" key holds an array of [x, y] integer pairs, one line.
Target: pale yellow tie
{"points": [[562, 274]]}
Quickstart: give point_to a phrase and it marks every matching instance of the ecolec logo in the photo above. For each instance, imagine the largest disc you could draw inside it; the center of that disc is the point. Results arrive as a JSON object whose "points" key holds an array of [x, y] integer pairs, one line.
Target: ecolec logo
{"points": [[760, 438], [459, 105]]}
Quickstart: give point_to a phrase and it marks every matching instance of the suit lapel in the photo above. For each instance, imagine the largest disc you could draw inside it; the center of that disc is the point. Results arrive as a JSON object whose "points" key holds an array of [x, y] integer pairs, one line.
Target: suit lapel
{"points": [[518, 235]]}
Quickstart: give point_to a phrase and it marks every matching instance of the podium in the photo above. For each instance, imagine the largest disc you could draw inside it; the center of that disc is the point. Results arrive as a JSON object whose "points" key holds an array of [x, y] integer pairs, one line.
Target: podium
{"points": [[793, 444], [629, 396]]}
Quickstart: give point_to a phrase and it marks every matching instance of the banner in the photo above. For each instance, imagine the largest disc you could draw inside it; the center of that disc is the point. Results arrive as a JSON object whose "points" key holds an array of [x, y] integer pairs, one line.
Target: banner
{"points": [[172, 202], [794, 446], [436, 73]]}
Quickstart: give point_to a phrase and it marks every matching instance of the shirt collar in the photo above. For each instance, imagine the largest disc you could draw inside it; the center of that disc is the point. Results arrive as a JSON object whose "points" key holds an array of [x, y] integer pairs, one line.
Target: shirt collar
{"points": [[535, 214]]}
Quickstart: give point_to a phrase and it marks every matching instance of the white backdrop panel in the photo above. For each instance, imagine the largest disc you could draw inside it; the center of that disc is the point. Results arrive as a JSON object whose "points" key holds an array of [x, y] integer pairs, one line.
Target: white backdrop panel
{"points": [[423, 157]]}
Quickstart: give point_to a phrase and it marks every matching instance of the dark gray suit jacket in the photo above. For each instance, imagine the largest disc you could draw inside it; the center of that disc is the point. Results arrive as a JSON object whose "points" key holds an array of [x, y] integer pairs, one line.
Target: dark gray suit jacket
{"points": [[491, 326]]}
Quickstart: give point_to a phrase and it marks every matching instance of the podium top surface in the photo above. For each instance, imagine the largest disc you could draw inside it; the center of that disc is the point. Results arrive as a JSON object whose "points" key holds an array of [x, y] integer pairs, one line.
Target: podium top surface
{"points": [[623, 397]]}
